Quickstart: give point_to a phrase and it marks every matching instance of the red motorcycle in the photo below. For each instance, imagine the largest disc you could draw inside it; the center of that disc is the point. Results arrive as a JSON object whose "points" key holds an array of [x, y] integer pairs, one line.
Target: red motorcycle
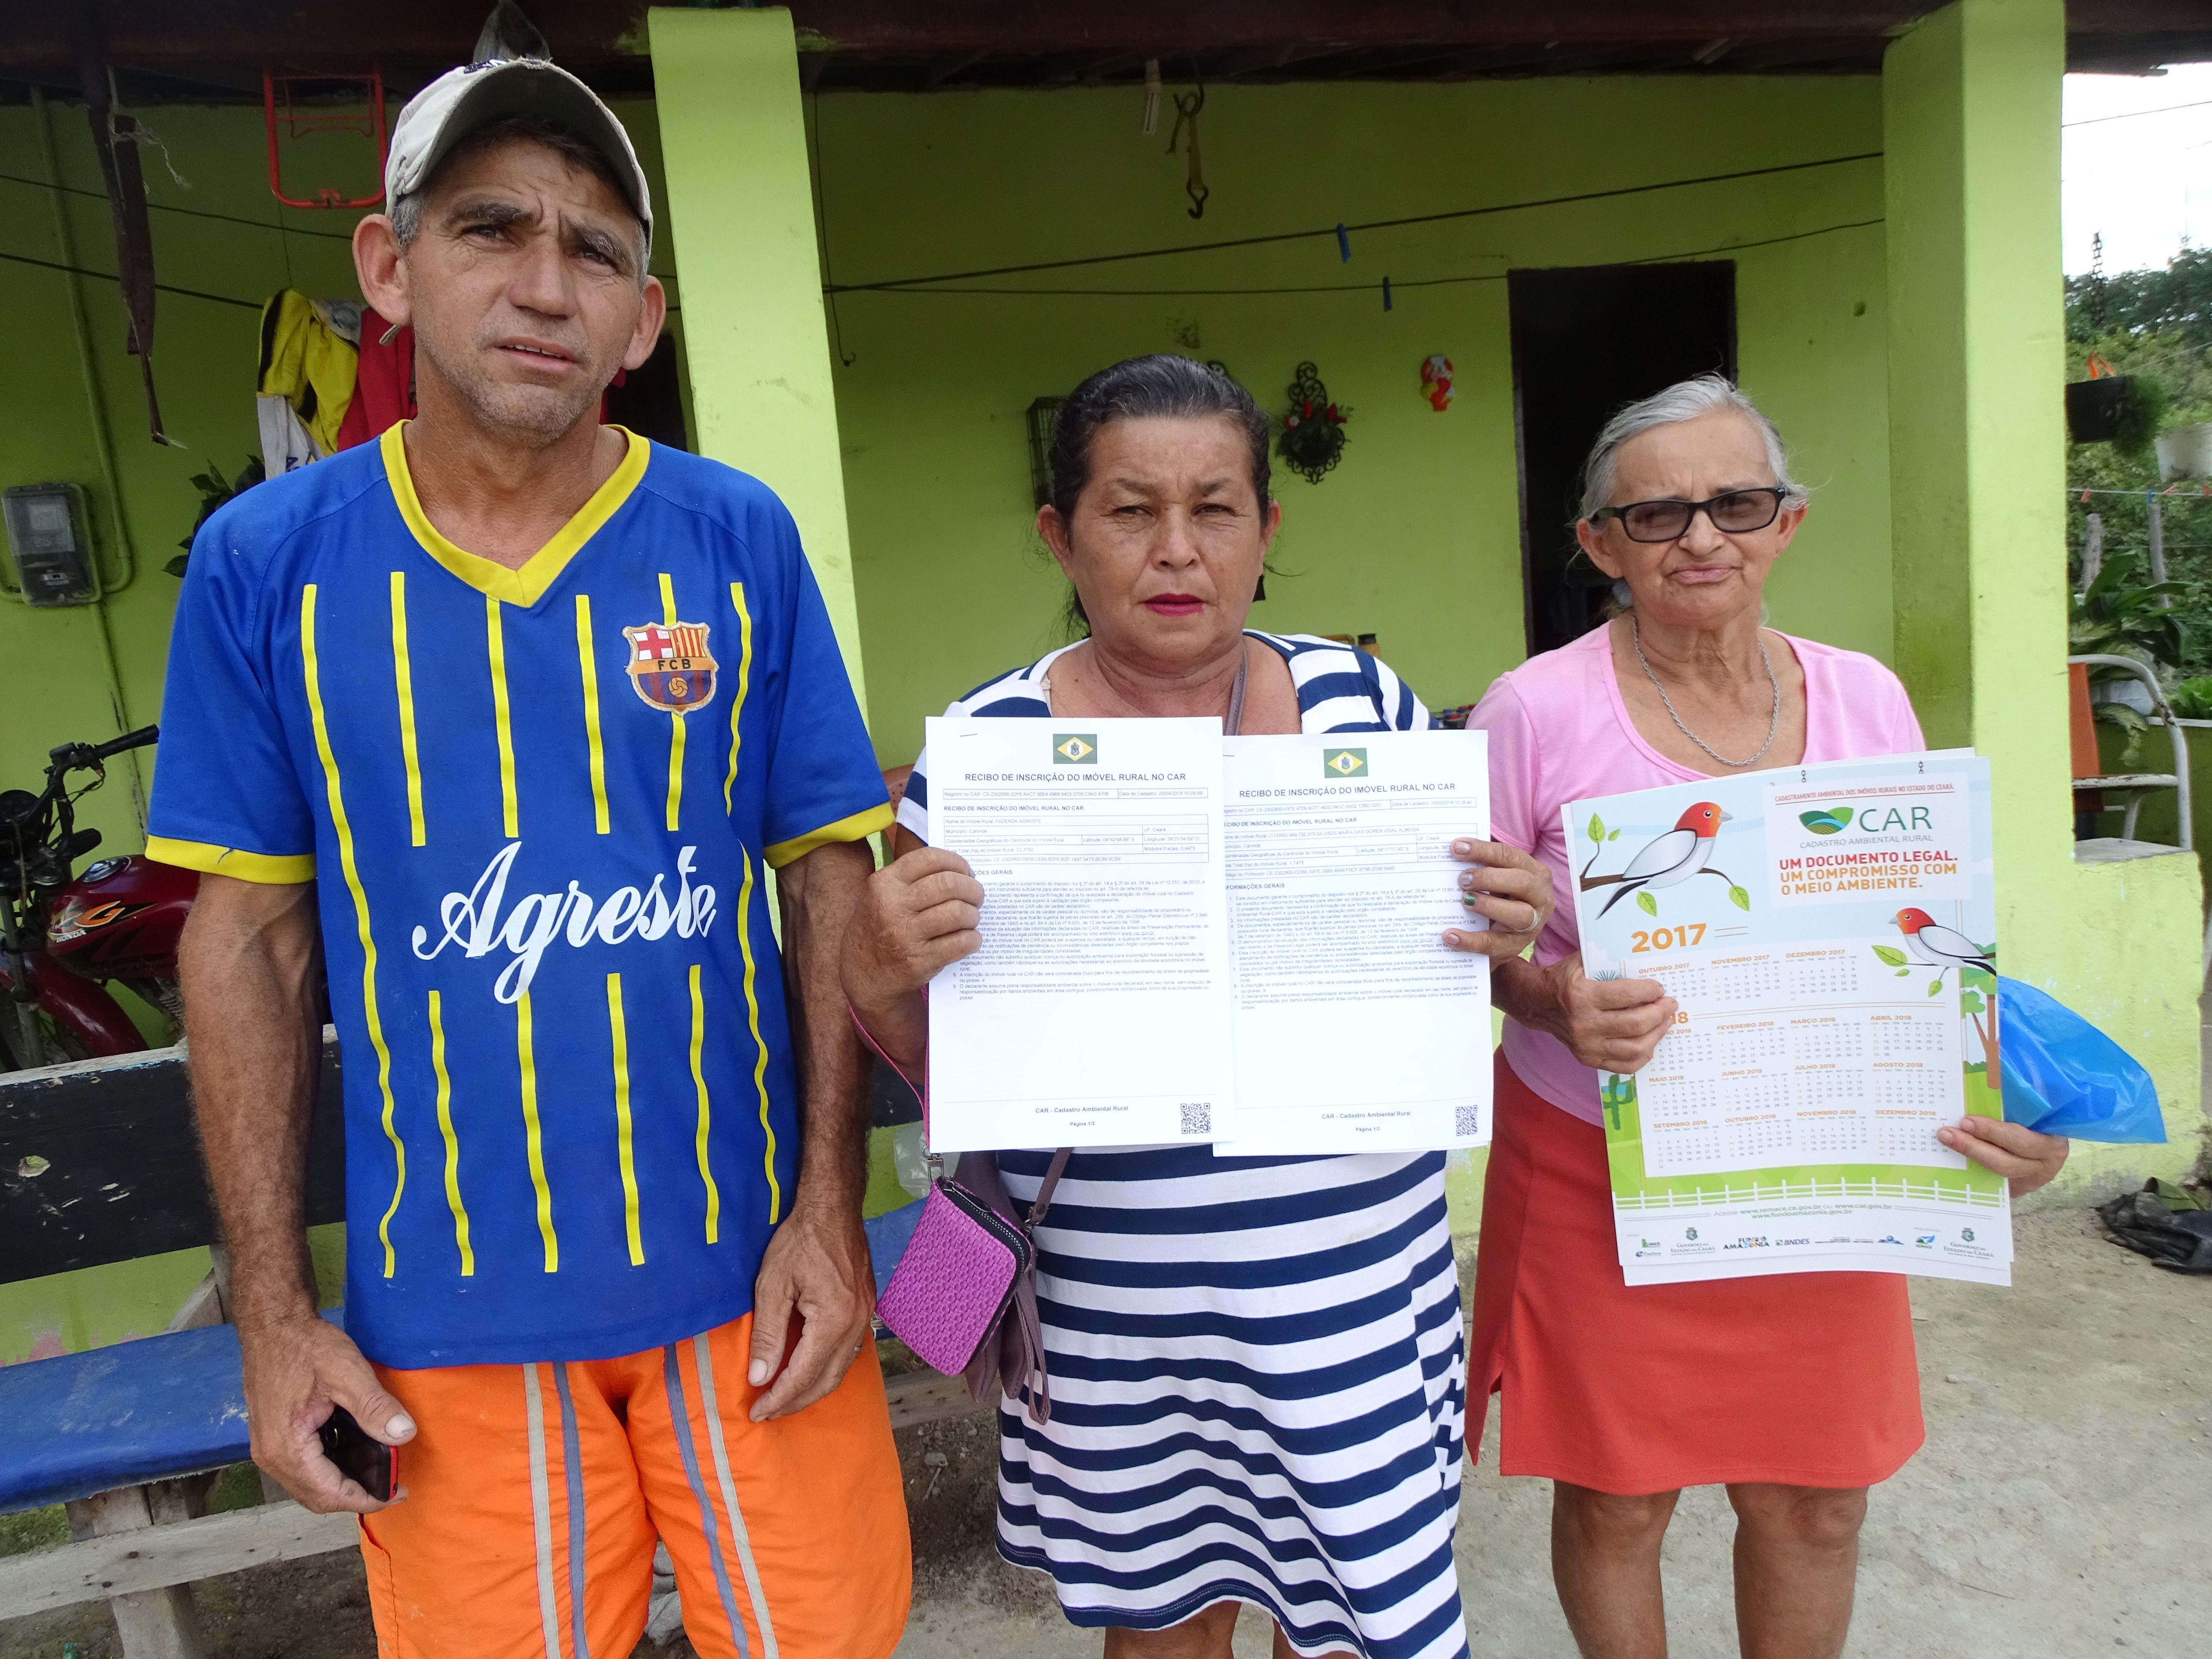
{"points": [[61, 936]]}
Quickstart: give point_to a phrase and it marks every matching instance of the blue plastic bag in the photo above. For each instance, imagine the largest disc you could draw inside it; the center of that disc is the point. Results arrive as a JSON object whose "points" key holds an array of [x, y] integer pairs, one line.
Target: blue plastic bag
{"points": [[2064, 1077]]}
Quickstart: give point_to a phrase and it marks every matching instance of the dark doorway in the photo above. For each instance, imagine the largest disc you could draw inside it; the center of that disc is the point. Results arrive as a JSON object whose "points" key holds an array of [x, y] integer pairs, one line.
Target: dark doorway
{"points": [[1587, 340], [650, 399]]}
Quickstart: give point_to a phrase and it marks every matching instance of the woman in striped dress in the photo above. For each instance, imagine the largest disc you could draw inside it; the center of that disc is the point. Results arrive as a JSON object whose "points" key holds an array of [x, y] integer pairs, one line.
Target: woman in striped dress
{"points": [[1256, 1364]]}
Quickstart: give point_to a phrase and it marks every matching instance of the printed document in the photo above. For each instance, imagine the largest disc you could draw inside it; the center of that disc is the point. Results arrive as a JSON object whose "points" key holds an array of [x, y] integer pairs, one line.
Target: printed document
{"points": [[1357, 1029], [1098, 1010]]}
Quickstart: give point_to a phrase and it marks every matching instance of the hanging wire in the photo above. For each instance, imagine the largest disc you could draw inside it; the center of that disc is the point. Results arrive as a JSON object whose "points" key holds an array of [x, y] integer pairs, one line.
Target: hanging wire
{"points": [[822, 217], [110, 276], [2130, 115], [1342, 288], [1329, 230], [137, 132], [170, 207]]}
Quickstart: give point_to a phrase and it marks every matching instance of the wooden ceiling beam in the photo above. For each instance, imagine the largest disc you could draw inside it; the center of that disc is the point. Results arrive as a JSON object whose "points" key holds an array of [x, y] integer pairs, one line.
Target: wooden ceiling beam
{"points": [[1006, 42], [154, 33]]}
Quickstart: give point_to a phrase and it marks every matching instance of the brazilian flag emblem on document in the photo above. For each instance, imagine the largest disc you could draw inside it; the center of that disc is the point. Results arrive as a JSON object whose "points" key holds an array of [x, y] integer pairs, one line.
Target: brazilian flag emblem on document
{"points": [[1075, 749], [1344, 762]]}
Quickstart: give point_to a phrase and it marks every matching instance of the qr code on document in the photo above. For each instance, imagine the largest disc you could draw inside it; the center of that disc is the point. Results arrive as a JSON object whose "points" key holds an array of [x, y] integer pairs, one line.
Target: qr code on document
{"points": [[1197, 1117], [1465, 1121]]}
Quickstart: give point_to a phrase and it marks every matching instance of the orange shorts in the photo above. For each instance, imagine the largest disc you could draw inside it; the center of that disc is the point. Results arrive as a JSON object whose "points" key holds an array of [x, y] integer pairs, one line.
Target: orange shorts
{"points": [[535, 1494]]}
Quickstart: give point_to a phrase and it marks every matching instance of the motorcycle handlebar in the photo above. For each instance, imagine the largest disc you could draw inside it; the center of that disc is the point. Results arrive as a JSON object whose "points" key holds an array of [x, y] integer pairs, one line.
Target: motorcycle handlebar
{"points": [[144, 735]]}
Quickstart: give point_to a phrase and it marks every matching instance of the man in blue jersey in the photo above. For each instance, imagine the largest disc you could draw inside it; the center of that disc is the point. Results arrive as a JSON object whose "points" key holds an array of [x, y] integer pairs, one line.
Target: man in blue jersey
{"points": [[522, 709]]}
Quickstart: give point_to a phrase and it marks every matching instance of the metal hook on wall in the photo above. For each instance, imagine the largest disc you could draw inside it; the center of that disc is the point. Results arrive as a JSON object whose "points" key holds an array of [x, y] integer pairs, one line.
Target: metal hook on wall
{"points": [[1187, 105]]}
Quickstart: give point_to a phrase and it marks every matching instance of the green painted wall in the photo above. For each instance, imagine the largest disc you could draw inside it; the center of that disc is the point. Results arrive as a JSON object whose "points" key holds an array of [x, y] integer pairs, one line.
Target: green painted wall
{"points": [[1416, 535], [224, 237], [1977, 447], [727, 85]]}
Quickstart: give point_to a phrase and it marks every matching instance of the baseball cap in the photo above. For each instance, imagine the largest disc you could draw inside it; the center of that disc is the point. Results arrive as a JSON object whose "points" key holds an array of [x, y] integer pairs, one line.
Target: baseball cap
{"points": [[466, 100]]}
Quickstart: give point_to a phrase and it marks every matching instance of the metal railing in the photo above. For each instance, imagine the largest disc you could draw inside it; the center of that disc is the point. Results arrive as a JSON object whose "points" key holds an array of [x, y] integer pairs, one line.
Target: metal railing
{"points": [[2165, 711]]}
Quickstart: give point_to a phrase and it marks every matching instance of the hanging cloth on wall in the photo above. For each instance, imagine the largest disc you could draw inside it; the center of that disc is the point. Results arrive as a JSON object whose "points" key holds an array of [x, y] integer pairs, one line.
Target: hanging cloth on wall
{"points": [[305, 377], [384, 385]]}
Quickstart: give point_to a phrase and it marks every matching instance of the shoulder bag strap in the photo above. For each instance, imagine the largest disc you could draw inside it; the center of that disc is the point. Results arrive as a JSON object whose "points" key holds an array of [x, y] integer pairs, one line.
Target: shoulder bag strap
{"points": [[1042, 1202]]}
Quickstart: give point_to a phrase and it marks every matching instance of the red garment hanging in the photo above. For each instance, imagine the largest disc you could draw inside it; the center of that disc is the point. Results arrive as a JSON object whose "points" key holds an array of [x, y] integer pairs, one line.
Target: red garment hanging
{"points": [[384, 386]]}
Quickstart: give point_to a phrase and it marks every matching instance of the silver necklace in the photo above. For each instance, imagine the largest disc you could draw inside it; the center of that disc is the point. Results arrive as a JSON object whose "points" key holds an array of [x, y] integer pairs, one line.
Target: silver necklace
{"points": [[1773, 725]]}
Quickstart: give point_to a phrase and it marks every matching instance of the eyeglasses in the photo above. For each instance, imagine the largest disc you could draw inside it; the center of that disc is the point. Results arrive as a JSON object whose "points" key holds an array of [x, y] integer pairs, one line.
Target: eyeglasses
{"points": [[1666, 520]]}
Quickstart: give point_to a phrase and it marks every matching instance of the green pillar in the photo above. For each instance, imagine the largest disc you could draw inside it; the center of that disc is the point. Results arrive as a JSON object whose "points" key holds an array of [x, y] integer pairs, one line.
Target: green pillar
{"points": [[1976, 303], [1976, 361], [741, 209]]}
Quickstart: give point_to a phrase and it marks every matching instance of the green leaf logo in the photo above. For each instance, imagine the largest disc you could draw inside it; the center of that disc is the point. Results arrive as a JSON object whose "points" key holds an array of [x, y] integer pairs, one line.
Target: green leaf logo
{"points": [[1827, 822], [1646, 903], [1891, 955], [1596, 828], [1739, 898]]}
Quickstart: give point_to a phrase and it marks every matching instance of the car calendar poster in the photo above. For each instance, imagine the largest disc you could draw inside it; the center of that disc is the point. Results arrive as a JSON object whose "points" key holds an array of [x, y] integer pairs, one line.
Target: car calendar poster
{"points": [[1828, 934]]}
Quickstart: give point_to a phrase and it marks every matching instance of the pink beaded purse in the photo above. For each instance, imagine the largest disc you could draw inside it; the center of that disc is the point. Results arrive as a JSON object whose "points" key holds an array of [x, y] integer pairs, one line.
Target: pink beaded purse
{"points": [[964, 1295]]}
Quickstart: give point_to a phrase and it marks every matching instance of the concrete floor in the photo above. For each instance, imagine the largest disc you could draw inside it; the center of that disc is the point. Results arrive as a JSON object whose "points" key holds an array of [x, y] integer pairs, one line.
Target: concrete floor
{"points": [[2062, 1507]]}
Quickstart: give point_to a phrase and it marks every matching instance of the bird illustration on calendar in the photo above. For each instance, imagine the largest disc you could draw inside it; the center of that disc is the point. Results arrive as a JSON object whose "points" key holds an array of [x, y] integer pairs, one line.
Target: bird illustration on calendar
{"points": [[1825, 1020], [1665, 861], [1930, 944]]}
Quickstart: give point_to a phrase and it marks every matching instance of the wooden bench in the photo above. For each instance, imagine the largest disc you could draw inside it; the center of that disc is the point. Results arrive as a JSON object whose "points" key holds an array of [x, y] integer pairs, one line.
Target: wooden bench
{"points": [[98, 1163]]}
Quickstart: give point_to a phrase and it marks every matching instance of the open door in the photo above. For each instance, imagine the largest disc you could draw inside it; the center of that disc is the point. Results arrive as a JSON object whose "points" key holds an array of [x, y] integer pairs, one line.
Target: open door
{"points": [[1587, 340]]}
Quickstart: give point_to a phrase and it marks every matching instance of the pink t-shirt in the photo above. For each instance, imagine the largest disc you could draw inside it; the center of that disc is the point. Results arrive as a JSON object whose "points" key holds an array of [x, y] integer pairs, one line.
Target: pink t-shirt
{"points": [[1559, 731]]}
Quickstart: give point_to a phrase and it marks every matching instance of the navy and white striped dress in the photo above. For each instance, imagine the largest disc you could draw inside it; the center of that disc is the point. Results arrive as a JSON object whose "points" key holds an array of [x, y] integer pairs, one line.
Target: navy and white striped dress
{"points": [[1258, 1375]]}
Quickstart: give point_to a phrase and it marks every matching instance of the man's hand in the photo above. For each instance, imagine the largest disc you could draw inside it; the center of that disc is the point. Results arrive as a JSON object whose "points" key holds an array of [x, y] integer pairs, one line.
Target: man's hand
{"points": [[817, 1272], [1613, 1024], [918, 916], [816, 1269], [2026, 1157], [297, 1370]]}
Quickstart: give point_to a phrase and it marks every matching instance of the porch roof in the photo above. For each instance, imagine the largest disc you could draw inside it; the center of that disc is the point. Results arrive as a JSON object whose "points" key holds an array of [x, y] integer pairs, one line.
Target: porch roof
{"points": [[216, 50]]}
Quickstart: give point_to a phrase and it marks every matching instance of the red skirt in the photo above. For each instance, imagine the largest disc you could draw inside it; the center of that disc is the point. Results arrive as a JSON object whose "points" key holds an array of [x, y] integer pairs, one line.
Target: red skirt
{"points": [[1798, 1379]]}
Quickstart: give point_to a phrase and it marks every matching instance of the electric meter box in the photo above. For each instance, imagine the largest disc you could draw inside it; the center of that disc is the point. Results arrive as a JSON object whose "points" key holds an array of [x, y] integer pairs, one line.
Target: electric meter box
{"points": [[50, 559]]}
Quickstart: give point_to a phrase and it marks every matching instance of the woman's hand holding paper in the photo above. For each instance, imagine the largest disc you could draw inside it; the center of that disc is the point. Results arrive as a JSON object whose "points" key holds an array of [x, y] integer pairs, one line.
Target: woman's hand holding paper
{"points": [[1508, 887], [1613, 1024], [2026, 1157], [918, 915]]}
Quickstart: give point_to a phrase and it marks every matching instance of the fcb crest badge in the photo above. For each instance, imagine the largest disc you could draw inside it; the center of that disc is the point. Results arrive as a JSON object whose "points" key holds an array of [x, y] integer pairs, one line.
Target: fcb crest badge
{"points": [[669, 667]]}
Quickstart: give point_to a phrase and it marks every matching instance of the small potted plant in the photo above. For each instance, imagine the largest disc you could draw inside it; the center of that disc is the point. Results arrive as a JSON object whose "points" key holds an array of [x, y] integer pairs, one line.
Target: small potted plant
{"points": [[2117, 616]]}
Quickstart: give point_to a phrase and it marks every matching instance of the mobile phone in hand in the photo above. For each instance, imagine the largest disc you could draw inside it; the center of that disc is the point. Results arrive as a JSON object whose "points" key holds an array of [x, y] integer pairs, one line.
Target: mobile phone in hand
{"points": [[360, 1456]]}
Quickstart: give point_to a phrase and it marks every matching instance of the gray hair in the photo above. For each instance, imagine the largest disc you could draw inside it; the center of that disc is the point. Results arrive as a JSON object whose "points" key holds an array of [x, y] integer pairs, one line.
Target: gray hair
{"points": [[406, 212], [1685, 400]]}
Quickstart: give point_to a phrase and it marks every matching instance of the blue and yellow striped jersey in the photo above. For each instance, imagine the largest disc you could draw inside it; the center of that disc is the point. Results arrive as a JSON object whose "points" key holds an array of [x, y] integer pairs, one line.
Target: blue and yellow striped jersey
{"points": [[540, 804]]}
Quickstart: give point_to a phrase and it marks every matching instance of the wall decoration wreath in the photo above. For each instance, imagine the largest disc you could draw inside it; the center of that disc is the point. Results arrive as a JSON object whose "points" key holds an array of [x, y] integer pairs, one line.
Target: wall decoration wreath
{"points": [[1313, 432]]}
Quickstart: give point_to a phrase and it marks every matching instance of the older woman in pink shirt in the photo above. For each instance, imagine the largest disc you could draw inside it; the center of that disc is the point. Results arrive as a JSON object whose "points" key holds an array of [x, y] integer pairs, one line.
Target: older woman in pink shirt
{"points": [[1797, 1391]]}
